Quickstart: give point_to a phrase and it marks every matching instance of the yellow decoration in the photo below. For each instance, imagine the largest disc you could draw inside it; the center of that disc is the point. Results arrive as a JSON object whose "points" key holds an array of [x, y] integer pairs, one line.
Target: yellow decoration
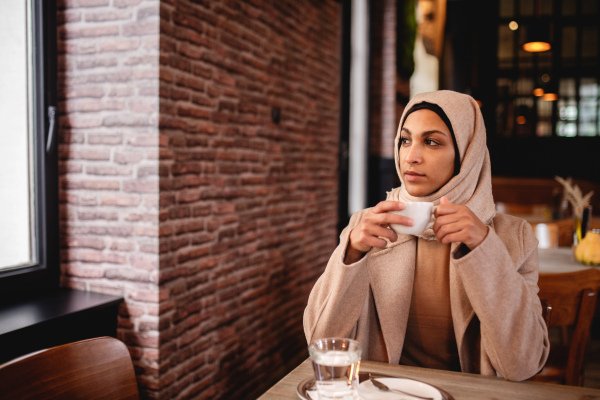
{"points": [[588, 250]]}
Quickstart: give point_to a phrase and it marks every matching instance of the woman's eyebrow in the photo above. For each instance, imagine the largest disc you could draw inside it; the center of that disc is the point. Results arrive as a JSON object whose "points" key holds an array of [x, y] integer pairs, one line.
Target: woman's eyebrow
{"points": [[425, 133], [431, 132]]}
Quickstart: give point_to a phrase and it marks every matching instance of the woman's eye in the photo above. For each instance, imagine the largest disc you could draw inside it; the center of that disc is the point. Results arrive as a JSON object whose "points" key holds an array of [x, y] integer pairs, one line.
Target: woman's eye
{"points": [[404, 141], [431, 142]]}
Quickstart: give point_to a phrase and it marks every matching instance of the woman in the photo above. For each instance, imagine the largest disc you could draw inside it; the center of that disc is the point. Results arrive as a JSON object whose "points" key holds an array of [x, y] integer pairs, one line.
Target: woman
{"points": [[463, 295]]}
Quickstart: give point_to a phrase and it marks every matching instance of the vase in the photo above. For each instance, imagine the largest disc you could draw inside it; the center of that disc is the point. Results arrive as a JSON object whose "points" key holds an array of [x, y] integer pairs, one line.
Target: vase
{"points": [[577, 215]]}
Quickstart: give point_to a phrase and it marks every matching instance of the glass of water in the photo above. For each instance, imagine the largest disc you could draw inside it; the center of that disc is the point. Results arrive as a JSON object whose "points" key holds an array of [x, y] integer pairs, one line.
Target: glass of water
{"points": [[335, 363]]}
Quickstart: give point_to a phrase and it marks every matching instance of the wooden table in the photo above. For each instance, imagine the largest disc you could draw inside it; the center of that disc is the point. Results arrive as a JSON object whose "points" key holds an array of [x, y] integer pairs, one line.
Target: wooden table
{"points": [[461, 386], [559, 260]]}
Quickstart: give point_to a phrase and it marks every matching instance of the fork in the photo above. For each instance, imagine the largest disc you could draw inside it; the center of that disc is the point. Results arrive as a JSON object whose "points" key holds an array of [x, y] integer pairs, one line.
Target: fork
{"points": [[384, 388]]}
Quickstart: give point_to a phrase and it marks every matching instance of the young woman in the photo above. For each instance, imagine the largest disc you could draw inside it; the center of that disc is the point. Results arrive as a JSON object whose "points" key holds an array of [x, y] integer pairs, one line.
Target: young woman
{"points": [[462, 295]]}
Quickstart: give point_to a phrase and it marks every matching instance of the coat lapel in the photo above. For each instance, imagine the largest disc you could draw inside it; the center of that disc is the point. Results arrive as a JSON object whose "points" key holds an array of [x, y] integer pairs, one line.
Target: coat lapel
{"points": [[462, 312], [391, 276]]}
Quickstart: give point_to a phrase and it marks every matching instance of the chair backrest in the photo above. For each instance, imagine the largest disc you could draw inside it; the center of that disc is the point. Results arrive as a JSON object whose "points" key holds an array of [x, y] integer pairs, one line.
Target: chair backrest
{"points": [[573, 299], [546, 311], [92, 369]]}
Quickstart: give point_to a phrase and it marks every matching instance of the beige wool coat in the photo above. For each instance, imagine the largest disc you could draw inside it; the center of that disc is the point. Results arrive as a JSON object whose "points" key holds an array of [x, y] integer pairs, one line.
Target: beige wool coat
{"points": [[496, 313]]}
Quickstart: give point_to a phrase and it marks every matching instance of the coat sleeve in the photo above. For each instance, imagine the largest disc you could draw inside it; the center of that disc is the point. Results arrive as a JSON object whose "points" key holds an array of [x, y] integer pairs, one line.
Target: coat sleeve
{"points": [[337, 299], [500, 278]]}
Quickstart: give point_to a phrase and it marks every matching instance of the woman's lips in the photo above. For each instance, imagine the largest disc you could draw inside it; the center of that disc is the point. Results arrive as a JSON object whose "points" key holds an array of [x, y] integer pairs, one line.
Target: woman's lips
{"points": [[412, 176]]}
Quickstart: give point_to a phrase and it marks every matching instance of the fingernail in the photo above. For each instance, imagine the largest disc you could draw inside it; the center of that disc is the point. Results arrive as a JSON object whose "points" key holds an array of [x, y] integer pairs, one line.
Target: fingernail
{"points": [[411, 222]]}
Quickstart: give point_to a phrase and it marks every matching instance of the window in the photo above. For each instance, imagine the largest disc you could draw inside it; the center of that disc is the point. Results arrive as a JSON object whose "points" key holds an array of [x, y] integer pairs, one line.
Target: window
{"points": [[28, 155], [569, 70]]}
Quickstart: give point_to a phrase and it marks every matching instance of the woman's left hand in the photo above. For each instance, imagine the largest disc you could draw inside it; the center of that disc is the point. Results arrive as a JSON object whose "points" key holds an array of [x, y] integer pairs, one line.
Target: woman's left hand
{"points": [[457, 223]]}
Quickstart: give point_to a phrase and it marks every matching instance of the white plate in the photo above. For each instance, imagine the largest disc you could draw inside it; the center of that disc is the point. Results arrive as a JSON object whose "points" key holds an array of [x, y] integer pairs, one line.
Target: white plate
{"points": [[368, 391], [306, 389]]}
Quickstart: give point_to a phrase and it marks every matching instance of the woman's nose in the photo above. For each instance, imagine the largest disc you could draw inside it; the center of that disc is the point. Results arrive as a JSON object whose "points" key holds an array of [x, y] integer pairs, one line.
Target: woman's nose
{"points": [[414, 155]]}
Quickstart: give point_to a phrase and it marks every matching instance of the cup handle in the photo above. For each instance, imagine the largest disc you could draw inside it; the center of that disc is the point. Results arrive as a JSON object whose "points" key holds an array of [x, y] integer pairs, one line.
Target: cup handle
{"points": [[432, 218]]}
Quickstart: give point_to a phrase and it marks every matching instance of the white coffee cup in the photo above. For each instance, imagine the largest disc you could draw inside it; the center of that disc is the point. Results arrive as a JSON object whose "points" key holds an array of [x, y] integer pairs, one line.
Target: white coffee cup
{"points": [[420, 212]]}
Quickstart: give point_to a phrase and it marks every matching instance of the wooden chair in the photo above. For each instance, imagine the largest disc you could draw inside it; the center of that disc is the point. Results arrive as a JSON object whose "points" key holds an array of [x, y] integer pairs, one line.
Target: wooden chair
{"points": [[546, 311], [572, 297], [93, 369]]}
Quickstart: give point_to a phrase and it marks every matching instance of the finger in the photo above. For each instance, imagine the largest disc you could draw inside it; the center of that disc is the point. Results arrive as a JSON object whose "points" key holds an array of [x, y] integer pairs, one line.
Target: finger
{"points": [[391, 218], [383, 232], [447, 208], [448, 229], [450, 238], [446, 219], [368, 239], [385, 206], [444, 200]]}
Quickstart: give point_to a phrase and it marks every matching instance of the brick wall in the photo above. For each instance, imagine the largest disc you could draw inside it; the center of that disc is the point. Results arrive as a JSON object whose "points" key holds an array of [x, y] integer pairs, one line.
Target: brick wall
{"points": [[179, 192], [382, 100], [108, 152], [382, 175]]}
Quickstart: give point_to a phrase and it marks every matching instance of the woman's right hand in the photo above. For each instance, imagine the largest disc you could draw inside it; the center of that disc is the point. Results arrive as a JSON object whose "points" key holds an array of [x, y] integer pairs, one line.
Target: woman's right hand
{"points": [[371, 230]]}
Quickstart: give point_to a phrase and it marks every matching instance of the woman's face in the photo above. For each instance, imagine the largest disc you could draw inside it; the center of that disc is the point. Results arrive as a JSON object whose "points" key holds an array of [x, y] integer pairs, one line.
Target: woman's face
{"points": [[426, 153]]}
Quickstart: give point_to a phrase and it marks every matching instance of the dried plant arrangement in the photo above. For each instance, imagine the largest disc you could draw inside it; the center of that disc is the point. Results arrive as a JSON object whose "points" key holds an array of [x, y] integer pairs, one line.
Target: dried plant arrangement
{"points": [[573, 194]]}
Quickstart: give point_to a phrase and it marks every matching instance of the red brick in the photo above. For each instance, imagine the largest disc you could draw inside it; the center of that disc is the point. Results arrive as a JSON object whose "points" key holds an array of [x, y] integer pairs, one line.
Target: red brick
{"points": [[84, 3], [91, 32], [153, 248], [146, 140], [144, 262], [103, 16], [91, 184], [121, 91], [146, 231], [144, 217], [126, 3], [108, 170], [141, 28], [96, 63], [122, 245], [125, 120], [148, 12], [148, 91], [141, 186], [144, 107], [120, 200], [89, 256], [84, 154], [128, 157], [195, 112], [193, 254], [110, 139], [97, 215], [120, 45], [83, 272]]}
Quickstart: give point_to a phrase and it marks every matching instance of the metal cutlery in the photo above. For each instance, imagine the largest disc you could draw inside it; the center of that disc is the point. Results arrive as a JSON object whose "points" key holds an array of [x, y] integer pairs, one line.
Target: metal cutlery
{"points": [[384, 388]]}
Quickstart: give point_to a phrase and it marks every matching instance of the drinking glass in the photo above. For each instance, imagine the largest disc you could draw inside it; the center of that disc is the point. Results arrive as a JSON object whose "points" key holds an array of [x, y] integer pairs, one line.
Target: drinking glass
{"points": [[335, 363]]}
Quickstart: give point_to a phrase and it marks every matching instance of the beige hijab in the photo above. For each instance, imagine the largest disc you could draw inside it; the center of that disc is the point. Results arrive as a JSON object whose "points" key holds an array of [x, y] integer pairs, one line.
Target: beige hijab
{"points": [[473, 185]]}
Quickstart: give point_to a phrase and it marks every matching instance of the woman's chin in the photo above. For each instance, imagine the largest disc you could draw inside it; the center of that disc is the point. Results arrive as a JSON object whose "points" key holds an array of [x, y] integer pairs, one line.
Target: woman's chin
{"points": [[420, 191]]}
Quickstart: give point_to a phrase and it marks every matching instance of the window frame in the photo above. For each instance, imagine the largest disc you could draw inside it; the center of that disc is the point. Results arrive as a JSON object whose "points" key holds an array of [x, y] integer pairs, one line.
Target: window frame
{"points": [[43, 276]]}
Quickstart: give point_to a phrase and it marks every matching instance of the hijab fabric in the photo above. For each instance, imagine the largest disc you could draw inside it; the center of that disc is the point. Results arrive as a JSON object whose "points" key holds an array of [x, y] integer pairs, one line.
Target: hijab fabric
{"points": [[472, 186]]}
